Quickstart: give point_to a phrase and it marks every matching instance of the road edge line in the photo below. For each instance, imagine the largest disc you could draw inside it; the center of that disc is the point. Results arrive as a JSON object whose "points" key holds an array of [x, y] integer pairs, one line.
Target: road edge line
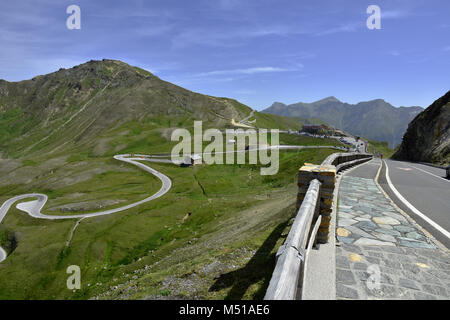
{"points": [[401, 211], [431, 174], [410, 206]]}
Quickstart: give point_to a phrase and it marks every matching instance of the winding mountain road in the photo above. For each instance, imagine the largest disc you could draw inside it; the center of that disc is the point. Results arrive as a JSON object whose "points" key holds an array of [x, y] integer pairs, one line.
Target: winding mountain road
{"points": [[34, 207]]}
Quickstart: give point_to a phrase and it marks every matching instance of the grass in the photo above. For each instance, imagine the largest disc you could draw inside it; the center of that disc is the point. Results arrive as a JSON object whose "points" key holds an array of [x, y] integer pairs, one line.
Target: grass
{"points": [[110, 248], [225, 213], [380, 147], [290, 139], [271, 121], [8, 239]]}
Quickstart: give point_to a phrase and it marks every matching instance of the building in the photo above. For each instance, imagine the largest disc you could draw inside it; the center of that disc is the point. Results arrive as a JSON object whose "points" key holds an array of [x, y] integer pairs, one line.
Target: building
{"points": [[193, 159], [315, 128]]}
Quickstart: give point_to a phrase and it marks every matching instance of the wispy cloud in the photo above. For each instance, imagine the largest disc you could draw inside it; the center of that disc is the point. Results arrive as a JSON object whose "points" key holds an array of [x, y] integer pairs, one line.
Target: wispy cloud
{"points": [[394, 14], [349, 27], [355, 25], [246, 71], [231, 36], [394, 53], [220, 47]]}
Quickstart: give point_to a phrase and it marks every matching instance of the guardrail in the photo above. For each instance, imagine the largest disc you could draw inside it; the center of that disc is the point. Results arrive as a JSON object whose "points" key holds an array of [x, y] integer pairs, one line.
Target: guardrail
{"points": [[346, 160], [283, 285], [315, 210]]}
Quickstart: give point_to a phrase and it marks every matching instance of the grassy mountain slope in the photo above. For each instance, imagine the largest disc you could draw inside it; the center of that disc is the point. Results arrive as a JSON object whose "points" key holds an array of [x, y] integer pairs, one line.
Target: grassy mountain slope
{"points": [[78, 104], [73, 110], [376, 147], [59, 133]]}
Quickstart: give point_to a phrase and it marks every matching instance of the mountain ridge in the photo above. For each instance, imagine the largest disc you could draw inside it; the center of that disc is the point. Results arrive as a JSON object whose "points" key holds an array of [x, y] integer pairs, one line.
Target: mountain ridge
{"points": [[67, 108], [356, 119], [92, 97]]}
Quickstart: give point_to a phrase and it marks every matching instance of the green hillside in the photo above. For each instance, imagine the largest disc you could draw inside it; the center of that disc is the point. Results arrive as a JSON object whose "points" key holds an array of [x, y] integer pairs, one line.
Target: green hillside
{"points": [[59, 133], [376, 147]]}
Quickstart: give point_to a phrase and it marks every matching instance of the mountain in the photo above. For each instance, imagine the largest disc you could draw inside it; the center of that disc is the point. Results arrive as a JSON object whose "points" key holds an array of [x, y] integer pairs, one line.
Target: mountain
{"points": [[80, 103], [75, 107], [58, 133], [428, 136], [375, 120]]}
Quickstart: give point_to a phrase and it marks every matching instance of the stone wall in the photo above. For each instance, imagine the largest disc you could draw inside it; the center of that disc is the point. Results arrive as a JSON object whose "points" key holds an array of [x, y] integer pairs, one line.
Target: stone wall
{"points": [[326, 174]]}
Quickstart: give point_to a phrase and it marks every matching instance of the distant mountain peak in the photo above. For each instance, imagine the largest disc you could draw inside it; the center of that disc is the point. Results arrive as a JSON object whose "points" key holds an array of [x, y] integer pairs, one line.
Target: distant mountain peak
{"points": [[82, 103], [375, 119], [277, 104], [379, 100], [329, 99]]}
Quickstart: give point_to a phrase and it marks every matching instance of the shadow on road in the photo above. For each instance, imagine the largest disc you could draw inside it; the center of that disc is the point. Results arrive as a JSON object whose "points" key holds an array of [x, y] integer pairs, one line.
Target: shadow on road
{"points": [[259, 268]]}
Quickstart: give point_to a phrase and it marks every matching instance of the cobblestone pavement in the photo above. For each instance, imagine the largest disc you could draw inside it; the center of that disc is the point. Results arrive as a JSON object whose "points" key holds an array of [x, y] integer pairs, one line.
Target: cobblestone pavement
{"points": [[402, 273], [382, 254], [366, 217]]}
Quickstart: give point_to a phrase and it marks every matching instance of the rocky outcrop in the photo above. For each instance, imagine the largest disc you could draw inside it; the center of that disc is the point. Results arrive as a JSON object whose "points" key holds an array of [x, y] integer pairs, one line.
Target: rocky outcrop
{"points": [[428, 136]]}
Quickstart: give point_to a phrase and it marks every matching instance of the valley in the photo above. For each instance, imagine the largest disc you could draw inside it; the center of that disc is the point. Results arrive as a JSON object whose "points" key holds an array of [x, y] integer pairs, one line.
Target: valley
{"points": [[212, 212]]}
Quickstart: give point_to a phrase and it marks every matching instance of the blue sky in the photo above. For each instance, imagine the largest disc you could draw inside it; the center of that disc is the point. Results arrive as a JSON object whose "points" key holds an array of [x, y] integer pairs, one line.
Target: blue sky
{"points": [[257, 51]]}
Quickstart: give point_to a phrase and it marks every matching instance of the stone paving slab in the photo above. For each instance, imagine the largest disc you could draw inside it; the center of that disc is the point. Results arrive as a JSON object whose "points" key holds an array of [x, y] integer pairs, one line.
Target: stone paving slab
{"points": [[366, 217], [382, 254], [403, 273]]}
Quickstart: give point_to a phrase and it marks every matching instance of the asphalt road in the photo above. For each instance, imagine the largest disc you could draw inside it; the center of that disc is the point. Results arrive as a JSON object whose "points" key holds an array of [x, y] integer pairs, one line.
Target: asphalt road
{"points": [[34, 207], [368, 170], [423, 192], [245, 120]]}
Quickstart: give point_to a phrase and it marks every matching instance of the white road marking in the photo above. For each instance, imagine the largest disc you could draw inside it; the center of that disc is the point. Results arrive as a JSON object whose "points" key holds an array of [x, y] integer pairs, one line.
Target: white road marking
{"points": [[414, 209], [446, 180]]}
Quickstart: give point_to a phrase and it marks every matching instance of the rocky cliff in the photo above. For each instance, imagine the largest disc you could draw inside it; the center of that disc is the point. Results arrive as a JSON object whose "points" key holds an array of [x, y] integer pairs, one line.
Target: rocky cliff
{"points": [[427, 138]]}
